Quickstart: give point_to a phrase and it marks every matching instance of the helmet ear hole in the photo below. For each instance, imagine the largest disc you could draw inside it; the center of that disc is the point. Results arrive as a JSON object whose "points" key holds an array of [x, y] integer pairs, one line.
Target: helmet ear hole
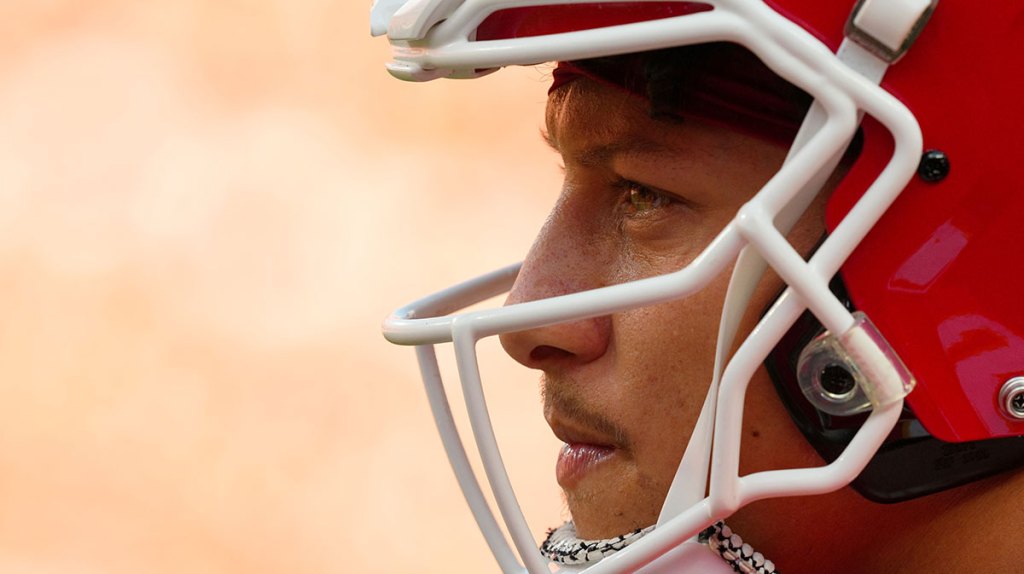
{"points": [[851, 372], [829, 380], [837, 381], [912, 463]]}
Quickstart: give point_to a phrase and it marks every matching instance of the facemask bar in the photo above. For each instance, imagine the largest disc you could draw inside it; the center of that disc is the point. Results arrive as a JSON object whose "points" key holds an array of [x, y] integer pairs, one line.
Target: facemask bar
{"points": [[841, 97], [454, 54], [456, 453], [690, 483]]}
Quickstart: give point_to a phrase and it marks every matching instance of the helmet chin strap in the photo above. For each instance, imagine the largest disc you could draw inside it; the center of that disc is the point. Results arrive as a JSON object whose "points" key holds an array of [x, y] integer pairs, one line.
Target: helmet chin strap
{"points": [[691, 481]]}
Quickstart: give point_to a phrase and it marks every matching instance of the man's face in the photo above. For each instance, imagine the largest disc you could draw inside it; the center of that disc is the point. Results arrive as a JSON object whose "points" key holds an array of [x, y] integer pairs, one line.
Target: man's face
{"points": [[641, 197]]}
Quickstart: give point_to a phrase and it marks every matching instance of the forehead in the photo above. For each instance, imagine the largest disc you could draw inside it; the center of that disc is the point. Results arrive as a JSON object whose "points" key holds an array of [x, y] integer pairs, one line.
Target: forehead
{"points": [[590, 109], [586, 119]]}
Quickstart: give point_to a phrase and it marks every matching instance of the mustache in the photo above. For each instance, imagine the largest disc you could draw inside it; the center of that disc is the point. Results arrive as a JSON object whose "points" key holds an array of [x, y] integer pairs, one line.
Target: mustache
{"points": [[561, 397]]}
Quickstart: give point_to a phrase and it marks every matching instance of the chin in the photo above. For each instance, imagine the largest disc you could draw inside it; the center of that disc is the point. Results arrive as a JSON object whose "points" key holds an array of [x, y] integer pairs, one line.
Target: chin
{"points": [[598, 518]]}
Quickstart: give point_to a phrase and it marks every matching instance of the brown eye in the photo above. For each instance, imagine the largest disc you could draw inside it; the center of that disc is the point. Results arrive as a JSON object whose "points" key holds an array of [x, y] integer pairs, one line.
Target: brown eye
{"points": [[640, 199]]}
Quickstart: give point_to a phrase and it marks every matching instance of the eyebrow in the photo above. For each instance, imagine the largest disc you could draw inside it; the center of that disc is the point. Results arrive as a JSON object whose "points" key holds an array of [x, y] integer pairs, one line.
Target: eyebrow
{"points": [[598, 154]]}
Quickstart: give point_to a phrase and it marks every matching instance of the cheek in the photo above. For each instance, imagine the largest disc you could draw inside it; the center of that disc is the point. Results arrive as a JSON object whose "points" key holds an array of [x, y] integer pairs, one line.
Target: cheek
{"points": [[672, 341], [665, 356]]}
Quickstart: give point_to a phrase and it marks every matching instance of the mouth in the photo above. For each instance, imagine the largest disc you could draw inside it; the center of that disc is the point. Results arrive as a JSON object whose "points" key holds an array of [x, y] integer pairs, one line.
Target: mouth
{"points": [[576, 460], [583, 451]]}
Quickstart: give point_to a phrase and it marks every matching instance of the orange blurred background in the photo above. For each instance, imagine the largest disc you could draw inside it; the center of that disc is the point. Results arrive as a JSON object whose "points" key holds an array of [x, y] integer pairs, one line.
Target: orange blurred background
{"points": [[207, 208]]}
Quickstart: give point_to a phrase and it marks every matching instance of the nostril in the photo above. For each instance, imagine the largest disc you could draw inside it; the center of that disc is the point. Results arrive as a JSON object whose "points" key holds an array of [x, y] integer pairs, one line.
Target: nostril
{"points": [[544, 353]]}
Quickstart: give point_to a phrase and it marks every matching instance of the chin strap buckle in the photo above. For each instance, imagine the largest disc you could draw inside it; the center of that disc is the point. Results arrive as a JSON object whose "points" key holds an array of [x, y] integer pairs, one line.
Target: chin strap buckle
{"points": [[887, 28], [852, 372]]}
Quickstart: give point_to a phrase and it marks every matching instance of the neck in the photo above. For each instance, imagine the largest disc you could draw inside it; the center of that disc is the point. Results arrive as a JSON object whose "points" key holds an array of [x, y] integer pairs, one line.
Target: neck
{"points": [[951, 531], [958, 535]]}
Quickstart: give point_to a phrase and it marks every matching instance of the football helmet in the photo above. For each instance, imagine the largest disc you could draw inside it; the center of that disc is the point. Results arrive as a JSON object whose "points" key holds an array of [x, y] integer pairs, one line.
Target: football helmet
{"points": [[900, 339]]}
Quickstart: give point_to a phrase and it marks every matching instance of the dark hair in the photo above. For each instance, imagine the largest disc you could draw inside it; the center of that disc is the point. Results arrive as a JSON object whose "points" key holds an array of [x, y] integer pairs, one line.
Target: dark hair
{"points": [[722, 82]]}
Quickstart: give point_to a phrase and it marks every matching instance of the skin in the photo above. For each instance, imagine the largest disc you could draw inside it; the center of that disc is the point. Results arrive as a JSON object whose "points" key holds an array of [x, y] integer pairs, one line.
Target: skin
{"points": [[642, 197]]}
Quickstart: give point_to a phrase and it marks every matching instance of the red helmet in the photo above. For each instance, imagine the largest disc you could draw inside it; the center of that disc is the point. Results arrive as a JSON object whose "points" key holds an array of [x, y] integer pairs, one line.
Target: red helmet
{"points": [[921, 237]]}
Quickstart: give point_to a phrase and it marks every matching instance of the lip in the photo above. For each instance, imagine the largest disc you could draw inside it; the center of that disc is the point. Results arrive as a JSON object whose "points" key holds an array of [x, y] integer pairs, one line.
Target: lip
{"points": [[582, 452], [576, 460]]}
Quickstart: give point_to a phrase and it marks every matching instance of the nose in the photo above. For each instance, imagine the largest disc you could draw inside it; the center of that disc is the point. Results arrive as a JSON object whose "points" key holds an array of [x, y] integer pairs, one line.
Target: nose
{"points": [[567, 257]]}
